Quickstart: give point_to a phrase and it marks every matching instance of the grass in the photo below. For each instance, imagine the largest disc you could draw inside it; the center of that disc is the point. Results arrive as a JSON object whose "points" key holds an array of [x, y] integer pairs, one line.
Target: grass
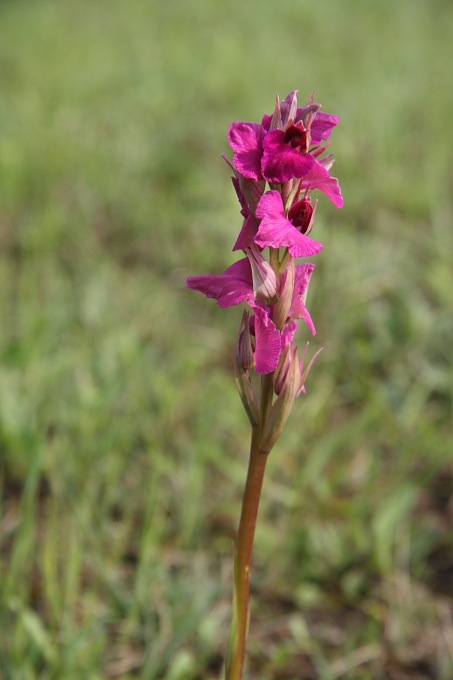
{"points": [[123, 441]]}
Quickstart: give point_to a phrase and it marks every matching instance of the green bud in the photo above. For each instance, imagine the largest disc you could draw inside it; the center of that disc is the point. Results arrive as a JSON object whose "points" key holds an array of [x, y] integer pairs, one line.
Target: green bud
{"points": [[281, 408]]}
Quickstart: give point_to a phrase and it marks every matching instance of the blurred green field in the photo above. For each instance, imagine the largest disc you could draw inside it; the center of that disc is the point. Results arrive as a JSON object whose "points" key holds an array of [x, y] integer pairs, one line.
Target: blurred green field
{"points": [[123, 443]]}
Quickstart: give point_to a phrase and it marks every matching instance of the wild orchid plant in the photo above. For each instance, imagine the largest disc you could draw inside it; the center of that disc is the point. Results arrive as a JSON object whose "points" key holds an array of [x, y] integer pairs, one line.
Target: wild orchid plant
{"points": [[277, 164]]}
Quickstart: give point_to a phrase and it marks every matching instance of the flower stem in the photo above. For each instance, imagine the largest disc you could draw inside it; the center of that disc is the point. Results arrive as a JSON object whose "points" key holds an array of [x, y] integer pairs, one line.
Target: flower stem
{"points": [[245, 539]]}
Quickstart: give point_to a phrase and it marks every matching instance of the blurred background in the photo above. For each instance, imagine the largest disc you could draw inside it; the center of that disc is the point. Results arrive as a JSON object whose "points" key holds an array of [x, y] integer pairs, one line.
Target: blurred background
{"points": [[123, 443]]}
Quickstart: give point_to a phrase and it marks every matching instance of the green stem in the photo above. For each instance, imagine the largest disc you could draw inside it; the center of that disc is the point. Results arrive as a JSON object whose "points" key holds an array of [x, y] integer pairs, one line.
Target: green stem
{"points": [[245, 539]]}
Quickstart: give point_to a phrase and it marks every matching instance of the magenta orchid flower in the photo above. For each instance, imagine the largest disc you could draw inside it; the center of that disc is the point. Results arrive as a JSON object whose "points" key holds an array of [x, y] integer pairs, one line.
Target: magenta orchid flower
{"points": [[285, 154], [247, 280], [236, 285], [231, 288], [276, 230], [250, 280], [286, 146], [267, 350]]}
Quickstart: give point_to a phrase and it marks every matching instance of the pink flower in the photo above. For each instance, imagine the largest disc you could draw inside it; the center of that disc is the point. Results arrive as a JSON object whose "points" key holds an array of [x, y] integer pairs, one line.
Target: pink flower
{"points": [[232, 287], [247, 280], [285, 154], [276, 230], [286, 146], [250, 280]]}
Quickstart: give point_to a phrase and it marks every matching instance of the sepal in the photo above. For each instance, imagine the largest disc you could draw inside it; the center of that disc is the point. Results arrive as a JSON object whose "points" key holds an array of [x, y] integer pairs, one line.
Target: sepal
{"points": [[305, 371], [265, 280]]}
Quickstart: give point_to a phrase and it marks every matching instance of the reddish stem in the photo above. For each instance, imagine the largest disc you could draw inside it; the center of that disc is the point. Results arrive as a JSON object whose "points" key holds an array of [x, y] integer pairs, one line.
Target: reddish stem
{"points": [[245, 540]]}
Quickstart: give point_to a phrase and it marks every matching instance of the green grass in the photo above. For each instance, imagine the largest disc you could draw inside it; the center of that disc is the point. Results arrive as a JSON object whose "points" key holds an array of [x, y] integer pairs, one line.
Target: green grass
{"points": [[122, 440]]}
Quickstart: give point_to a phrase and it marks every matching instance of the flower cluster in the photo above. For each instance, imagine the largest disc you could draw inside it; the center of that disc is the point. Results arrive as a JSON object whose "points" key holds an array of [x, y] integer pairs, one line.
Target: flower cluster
{"points": [[277, 164]]}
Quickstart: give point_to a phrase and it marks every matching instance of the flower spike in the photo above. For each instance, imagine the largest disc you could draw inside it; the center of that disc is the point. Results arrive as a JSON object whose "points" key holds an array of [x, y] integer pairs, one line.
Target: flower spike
{"points": [[276, 166]]}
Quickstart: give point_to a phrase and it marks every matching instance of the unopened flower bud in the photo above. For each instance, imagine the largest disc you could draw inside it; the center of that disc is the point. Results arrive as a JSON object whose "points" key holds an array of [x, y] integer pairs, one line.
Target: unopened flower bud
{"points": [[283, 305], [288, 109], [282, 406], [249, 191], [265, 280], [281, 372], [309, 113], [304, 372], [276, 120], [244, 360], [289, 191]]}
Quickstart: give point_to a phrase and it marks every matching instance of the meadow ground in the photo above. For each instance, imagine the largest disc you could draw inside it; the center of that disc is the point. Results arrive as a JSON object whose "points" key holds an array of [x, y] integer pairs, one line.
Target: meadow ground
{"points": [[123, 443]]}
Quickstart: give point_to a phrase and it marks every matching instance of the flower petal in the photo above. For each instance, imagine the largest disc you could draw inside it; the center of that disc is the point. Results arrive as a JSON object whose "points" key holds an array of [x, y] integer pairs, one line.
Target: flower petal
{"points": [[288, 109], [276, 230], [288, 333], [298, 309], [246, 142], [280, 161], [322, 126], [320, 178], [232, 287], [247, 233], [303, 275], [268, 341]]}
